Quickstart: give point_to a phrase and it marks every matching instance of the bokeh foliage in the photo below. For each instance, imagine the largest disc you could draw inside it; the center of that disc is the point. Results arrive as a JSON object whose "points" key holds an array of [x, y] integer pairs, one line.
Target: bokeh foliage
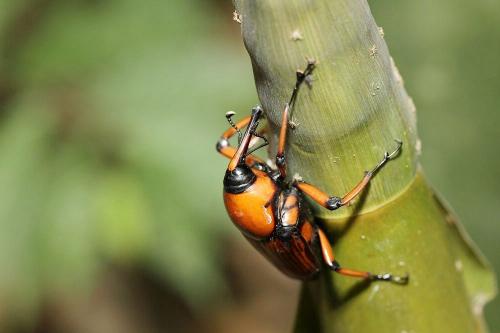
{"points": [[109, 115], [107, 142]]}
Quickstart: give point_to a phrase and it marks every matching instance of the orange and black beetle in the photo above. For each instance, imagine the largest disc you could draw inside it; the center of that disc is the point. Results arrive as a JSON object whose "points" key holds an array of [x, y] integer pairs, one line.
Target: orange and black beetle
{"points": [[272, 213]]}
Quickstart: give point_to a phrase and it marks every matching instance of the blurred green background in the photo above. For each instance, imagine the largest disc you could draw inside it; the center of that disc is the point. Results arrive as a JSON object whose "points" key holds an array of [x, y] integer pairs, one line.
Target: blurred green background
{"points": [[111, 218]]}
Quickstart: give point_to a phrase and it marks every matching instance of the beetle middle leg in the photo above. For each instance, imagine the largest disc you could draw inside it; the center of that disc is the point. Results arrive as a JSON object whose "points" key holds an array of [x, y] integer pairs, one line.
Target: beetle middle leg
{"points": [[333, 202], [329, 258]]}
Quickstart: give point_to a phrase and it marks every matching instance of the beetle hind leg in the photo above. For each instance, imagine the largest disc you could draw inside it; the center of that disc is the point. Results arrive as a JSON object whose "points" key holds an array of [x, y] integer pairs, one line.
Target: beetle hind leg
{"points": [[329, 258]]}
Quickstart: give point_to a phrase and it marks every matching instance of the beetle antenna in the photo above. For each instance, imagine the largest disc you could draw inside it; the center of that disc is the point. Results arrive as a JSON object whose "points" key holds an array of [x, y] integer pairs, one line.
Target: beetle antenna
{"points": [[229, 116]]}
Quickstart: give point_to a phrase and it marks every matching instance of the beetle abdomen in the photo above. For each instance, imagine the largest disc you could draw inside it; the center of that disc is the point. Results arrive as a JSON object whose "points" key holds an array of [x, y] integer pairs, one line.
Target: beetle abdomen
{"points": [[294, 257]]}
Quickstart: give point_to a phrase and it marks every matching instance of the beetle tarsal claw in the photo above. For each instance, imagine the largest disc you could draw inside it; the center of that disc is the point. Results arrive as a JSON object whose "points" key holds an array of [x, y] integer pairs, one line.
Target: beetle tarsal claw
{"points": [[401, 279], [391, 278], [397, 150]]}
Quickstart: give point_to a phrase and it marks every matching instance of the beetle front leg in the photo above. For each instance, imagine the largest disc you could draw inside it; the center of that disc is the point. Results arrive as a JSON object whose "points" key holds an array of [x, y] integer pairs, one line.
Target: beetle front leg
{"points": [[333, 202], [302, 76], [329, 258]]}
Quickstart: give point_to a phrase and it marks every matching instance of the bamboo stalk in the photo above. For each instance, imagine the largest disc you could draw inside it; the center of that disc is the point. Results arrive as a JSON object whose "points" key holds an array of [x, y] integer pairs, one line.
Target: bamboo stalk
{"points": [[356, 107]]}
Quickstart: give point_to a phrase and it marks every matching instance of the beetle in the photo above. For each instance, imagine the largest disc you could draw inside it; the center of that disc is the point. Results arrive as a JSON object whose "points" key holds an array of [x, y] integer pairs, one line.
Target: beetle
{"points": [[271, 212]]}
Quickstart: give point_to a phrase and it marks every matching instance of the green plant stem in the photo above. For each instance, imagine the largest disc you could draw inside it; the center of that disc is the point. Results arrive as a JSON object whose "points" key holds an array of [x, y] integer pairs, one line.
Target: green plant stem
{"points": [[356, 107]]}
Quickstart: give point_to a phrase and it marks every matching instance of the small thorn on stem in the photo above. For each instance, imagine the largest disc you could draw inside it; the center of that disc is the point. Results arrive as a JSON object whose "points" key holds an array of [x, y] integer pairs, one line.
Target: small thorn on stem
{"points": [[237, 17]]}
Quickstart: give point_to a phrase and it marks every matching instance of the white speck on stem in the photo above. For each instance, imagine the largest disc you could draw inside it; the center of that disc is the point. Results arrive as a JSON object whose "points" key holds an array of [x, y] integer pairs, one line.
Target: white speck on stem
{"points": [[395, 72], [293, 123], [363, 237], [478, 303], [381, 32], [413, 108], [237, 17], [296, 35], [418, 147], [374, 291], [375, 88], [459, 266]]}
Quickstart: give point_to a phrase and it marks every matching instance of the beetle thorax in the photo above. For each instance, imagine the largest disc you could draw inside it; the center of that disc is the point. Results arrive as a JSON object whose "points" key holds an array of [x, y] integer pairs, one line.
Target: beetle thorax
{"points": [[251, 210]]}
